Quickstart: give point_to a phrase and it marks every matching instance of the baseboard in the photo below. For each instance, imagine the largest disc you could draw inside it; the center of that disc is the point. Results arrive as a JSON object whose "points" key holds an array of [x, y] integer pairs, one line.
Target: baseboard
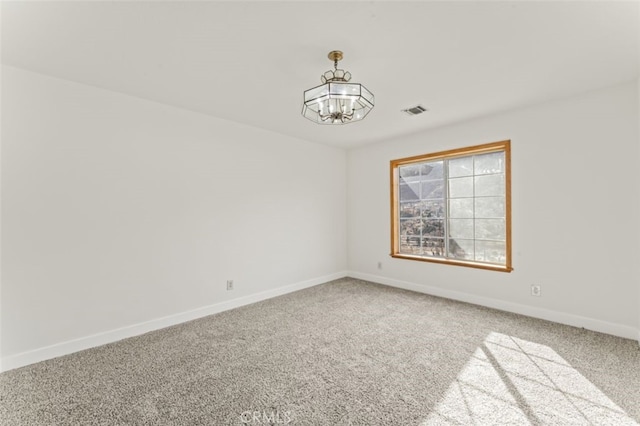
{"points": [[71, 346], [531, 311]]}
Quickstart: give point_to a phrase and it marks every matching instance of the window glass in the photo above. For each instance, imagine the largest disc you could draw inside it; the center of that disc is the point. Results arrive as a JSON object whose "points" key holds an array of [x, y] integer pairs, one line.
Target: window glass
{"points": [[454, 207]]}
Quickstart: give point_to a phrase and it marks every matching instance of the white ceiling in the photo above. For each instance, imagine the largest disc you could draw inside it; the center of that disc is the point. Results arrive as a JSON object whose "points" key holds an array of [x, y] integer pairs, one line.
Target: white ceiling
{"points": [[250, 61]]}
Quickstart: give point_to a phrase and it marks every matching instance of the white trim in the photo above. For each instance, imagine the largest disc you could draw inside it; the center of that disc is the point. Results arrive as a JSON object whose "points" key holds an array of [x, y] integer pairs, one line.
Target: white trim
{"points": [[531, 311], [70, 346]]}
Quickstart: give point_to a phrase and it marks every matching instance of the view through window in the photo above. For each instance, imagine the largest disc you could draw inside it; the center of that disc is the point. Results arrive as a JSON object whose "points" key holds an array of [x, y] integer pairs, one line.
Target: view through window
{"points": [[454, 207]]}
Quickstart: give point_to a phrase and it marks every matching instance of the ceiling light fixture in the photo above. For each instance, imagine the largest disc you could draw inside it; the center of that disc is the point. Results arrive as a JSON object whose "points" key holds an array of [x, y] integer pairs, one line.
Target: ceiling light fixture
{"points": [[337, 101]]}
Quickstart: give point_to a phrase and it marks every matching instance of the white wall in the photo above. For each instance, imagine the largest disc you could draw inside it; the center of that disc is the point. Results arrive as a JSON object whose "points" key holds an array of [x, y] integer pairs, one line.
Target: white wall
{"points": [[1, 360], [575, 194], [117, 211]]}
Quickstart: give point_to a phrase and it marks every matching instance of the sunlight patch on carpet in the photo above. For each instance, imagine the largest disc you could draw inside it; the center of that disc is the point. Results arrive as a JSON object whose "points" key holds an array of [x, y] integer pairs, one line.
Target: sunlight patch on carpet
{"points": [[514, 381]]}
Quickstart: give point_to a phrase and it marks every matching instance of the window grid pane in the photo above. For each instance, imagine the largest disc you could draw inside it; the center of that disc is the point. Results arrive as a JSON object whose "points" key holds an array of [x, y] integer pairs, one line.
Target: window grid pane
{"points": [[454, 208]]}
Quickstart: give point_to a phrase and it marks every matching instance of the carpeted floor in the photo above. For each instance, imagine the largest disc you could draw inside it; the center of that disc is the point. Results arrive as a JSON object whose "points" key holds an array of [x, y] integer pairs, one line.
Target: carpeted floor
{"points": [[346, 352]]}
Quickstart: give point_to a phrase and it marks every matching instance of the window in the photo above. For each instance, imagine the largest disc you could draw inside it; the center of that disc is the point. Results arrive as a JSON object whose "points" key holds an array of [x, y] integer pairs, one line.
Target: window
{"points": [[454, 207]]}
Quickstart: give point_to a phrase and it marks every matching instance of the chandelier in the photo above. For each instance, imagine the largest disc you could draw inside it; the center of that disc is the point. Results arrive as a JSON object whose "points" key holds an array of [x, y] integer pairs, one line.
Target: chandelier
{"points": [[337, 101]]}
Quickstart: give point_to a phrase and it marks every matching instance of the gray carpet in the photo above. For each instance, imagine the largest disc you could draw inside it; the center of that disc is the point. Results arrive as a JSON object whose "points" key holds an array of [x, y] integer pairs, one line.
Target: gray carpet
{"points": [[345, 352]]}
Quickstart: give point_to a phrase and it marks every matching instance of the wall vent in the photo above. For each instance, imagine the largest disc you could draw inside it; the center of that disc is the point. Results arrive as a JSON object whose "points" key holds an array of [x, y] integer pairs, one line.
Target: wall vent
{"points": [[418, 109]]}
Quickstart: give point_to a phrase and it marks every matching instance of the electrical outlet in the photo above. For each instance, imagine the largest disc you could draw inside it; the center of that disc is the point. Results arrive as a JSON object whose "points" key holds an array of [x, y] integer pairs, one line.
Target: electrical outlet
{"points": [[535, 290], [229, 284]]}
